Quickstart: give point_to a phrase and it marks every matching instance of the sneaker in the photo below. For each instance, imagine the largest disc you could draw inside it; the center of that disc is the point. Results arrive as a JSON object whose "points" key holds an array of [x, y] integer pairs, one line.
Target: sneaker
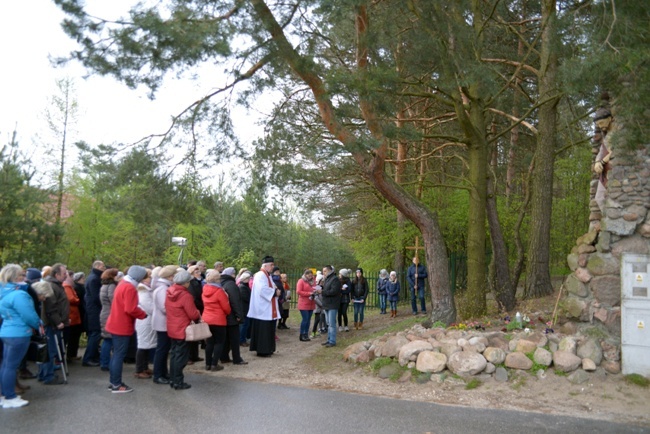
{"points": [[122, 388], [313, 334], [340, 328], [347, 329], [16, 402]]}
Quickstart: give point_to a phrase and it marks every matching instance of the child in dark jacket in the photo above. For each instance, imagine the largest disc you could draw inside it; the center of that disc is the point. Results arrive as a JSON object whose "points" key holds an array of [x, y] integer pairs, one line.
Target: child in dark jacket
{"points": [[392, 290]]}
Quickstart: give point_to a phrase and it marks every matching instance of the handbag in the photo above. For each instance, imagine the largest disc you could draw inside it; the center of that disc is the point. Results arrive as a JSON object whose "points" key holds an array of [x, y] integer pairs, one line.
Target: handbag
{"points": [[197, 331], [37, 350]]}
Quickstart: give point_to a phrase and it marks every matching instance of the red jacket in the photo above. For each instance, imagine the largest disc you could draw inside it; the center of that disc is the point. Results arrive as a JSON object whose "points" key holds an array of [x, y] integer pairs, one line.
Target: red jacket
{"points": [[124, 310], [73, 298], [216, 306], [181, 310]]}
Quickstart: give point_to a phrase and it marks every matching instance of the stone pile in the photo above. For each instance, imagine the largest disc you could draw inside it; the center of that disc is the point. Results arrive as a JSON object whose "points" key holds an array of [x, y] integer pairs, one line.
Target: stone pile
{"points": [[622, 226], [468, 353]]}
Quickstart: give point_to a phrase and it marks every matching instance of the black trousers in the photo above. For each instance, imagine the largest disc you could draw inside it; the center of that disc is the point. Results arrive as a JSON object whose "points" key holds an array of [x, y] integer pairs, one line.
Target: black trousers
{"points": [[232, 344], [178, 357], [214, 345], [72, 335]]}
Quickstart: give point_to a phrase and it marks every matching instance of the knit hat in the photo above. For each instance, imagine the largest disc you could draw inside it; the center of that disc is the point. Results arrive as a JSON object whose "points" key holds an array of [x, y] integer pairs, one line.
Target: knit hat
{"points": [[167, 272], [182, 277], [345, 272], [230, 271], [137, 273], [360, 270], [33, 274], [275, 269], [78, 276]]}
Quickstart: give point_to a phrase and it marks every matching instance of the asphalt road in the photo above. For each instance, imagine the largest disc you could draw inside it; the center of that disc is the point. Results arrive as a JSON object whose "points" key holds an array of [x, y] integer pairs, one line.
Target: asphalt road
{"points": [[219, 405]]}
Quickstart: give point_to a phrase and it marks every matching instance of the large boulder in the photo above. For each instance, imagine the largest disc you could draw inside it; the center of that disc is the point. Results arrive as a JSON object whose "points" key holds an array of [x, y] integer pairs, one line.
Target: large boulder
{"points": [[525, 346], [431, 361], [543, 357], [607, 289], [568, 344], [448, 348], [351, 352], [392, 347], [466, 363], [494, 355], [590, 349], [410, 351], [518, 360], [565, 361]]}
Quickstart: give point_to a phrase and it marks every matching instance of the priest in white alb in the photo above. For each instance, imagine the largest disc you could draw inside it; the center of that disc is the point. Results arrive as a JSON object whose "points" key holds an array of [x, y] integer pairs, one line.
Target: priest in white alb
{"points": [[263, 310]]}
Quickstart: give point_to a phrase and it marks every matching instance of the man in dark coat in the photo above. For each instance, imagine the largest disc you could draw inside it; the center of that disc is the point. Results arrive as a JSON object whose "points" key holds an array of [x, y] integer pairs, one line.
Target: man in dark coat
{"points": [[415, 276], [55, 317], [234, 318], [331, 303], [93, 309]]}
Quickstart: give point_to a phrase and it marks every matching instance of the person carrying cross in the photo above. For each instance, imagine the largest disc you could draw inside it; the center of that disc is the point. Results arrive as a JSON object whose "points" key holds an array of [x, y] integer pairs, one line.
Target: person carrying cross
{"points": [[415, 276]]}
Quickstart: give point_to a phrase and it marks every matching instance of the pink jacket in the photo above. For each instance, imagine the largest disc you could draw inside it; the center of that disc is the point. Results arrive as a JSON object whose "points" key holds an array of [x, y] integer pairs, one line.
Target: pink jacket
{"points": [[304, 290]]}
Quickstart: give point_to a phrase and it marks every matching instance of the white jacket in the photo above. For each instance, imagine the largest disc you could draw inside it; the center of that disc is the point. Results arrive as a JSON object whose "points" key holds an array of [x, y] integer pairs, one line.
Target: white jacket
{"points": [[144, 328], [159, 317]]}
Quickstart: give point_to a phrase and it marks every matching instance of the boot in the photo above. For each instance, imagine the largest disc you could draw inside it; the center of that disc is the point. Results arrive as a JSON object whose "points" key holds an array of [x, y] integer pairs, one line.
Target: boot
{"points": [[395, 314], [360, 326], [356, 326]]}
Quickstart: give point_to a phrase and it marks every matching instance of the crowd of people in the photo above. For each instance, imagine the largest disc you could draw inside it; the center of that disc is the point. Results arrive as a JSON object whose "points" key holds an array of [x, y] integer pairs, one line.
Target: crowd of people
{"points": [[142, 314]]}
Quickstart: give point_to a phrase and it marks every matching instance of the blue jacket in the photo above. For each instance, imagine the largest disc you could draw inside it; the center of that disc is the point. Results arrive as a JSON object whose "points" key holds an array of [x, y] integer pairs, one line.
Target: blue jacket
{"points": [[422, 274], [392, 288], [17, 310]]}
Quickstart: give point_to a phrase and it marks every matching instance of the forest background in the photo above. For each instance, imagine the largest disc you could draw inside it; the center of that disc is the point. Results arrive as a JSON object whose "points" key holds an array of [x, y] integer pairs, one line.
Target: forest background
{"points": [[465, 124]]}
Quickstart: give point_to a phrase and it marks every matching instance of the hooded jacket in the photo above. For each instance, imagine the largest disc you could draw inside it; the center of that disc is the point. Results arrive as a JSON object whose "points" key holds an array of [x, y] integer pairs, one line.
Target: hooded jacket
{"points": [[106, 294], [304, 291], [73, 299], [125, 309], [17, 310], [216, 306], [181, 311]]}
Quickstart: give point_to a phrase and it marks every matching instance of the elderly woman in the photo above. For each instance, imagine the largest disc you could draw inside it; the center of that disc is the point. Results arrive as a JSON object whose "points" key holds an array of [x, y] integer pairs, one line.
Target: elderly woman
{"points": [[144, 330], [19, 319], [181, 311], [216, 308], [110, 277]]}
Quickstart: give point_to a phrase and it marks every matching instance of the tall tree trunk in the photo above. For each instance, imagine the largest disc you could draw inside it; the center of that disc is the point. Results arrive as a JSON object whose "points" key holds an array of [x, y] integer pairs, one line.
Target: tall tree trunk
{"points": [[398, 260], [538, 275], [371, 165]]}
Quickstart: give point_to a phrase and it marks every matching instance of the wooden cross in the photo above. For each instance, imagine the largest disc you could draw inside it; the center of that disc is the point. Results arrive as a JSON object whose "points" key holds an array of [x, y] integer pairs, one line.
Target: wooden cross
{"points": [[416, 248], [417, 259]]}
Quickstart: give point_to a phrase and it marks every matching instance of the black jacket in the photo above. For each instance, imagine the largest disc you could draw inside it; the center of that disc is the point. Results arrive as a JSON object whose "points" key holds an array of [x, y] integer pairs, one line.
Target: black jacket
{"points": [[345, 293], [236, 315], [360, 289], [331, 292], [196, 289], [244, 297], [56, 309], [93, 303]]}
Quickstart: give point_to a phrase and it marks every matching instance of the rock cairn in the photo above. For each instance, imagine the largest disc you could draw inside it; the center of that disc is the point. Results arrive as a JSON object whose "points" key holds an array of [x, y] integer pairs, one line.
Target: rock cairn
{"points": [[619, 223], [488, 354]]}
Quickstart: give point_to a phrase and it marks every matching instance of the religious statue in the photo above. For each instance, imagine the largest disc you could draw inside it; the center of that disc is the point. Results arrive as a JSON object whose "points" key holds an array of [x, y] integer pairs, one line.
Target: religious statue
{"points": [[603, 120]]}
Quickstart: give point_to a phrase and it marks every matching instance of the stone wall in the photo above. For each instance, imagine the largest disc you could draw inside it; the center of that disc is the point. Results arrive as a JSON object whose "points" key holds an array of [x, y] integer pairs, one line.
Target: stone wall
{"points": [[619, 225]]}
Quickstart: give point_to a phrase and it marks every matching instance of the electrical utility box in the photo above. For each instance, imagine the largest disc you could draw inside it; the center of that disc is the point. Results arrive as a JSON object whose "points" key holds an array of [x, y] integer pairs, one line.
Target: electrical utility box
{"points": [[635, 314]]}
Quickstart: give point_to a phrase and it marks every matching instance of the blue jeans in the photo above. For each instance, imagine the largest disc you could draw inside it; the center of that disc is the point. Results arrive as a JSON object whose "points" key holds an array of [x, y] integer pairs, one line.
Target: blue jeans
{"points": [[393, 305], [382, 302], [331, 325], [414, 305], [160, 369], [14, 349], [120, 348], [306, 320], [359, 308], [105, 354], [46, 370], [244, 329], [92, 347]]}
